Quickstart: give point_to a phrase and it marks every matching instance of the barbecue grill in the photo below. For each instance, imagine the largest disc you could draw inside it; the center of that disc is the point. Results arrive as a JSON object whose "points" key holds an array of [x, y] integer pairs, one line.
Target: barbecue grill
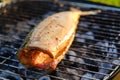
{"points": [[94, 54]]}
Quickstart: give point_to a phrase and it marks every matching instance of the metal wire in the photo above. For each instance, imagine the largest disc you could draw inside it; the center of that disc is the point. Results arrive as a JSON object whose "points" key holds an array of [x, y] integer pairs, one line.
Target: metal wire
{"points": [[104, 20]]}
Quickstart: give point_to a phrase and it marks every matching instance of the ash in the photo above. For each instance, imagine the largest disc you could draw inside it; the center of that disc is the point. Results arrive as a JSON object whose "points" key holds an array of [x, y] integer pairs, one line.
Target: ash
{"points": [[94, 52], [16, 33], [10, 75]]}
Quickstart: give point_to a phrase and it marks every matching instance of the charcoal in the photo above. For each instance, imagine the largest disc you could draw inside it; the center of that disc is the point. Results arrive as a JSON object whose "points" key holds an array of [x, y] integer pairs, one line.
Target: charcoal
{"points": [[96, 46]]}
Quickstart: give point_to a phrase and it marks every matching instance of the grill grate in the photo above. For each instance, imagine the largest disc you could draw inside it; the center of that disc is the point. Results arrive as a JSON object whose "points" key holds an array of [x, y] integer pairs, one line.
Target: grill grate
{"points": [[93, 55]]}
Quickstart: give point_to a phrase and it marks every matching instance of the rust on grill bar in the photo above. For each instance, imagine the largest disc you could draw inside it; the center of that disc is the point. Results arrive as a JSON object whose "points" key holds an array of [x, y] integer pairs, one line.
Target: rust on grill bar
{"points": [[94, 54]]}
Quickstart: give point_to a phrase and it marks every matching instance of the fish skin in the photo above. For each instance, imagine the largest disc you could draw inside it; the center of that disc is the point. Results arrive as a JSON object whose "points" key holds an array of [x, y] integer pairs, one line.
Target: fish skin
{"points": [[47, 44]]}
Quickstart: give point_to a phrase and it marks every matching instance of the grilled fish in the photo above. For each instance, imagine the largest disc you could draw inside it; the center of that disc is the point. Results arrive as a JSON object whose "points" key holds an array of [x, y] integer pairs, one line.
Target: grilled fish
{"points": [[47, 44]]}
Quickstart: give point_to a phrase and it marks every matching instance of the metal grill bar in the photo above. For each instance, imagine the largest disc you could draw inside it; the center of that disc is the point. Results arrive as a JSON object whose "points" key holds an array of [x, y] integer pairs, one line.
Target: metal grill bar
{"points": [[77, 75], [88, 64], [75, 49], [83, 70], [61, 65], [102, 32], [103, 19], [109, 30], [92, 6], [99, 40], [95, 46], [84, 57], [101, 22], [42, 74], [48, 75], [12, 66], [15, 73], [113, 27], [64, 59]]}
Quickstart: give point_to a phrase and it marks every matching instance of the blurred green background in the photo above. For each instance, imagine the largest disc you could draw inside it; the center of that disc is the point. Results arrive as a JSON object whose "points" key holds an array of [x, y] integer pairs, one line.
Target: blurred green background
{"points": [[115, 3]]}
